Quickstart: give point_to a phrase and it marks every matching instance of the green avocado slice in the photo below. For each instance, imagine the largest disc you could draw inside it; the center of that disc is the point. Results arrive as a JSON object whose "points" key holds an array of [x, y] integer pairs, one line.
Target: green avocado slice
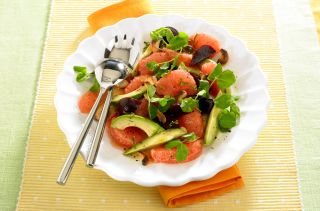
{"points": [[212, 126], [157, 139], [132, 120], [134, 94]]}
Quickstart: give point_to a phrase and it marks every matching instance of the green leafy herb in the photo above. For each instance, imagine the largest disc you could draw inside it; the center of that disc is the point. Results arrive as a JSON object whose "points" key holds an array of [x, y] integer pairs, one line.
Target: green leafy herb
{"points": [[165, 66], [96, 86], [153, 66], [226, 79], [203, 88], [160, 33], [159, 71], [182, 150], [164, 103], [82, 73], [189, 137], [235, 109], [227, 119], [151, 90], [215, 73], [173, 143], [223, 101], [179, 41], [152, 110], [189, 104], [174, 62]]}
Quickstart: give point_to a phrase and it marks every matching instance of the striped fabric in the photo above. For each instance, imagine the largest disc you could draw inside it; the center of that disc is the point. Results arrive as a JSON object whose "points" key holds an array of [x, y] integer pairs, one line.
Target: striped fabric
{"points": [[269, 168]]}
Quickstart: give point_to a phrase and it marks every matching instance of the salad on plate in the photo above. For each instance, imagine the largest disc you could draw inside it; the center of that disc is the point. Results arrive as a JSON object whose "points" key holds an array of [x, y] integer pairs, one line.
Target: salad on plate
{"points": [[175, 102]]}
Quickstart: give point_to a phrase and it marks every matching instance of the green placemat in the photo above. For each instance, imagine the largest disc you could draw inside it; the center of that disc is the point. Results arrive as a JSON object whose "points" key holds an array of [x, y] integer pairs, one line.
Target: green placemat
{"points": [[22, 29], [300, 57]]}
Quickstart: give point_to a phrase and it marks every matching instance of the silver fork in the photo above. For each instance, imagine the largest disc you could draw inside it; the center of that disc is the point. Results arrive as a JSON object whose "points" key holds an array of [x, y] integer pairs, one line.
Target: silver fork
{"points": [[125, 52], [119, 58]]}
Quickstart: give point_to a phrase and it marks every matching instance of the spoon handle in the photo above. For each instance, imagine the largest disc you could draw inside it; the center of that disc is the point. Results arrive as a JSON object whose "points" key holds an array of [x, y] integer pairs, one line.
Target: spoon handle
{"points": [[99, 131], [66, 169]]}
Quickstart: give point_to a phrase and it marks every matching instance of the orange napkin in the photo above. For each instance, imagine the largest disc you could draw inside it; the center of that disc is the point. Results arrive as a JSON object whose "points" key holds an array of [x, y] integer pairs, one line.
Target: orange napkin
{"points": [[192, 192], [116, 12]]}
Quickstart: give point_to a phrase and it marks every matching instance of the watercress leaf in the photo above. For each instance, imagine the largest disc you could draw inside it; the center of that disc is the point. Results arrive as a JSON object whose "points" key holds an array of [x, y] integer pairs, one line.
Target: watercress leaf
{"points": [[235, 109], [165, 108], [236, 98], [83, 77], [203, 88], [162, 101], [80, 69], [182, 152], [226, 79], [223, 101], [189, 104], [174, 62], [152, 110], [179, 41], [166, 101], [189, 137], [160, 33], [202, 93], [165, 66], [153, 66], [96, 86], [227, 119], [160, 73], [215, 73], [151, 90], [173, 143]]}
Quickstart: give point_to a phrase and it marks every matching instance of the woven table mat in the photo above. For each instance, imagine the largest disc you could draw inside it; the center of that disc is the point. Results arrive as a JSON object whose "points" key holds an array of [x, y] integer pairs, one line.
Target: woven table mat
{"points": [[269, 168]]}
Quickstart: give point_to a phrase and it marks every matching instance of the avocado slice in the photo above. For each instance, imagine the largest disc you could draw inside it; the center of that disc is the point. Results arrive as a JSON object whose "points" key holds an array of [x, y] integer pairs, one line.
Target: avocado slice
{"points": [[132, 120], [157, 139], [212, 126], [189, 69], [134, 94]]}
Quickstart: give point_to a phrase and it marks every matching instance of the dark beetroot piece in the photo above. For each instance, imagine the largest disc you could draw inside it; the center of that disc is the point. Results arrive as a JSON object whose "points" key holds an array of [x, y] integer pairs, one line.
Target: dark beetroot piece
{"points": [[173, 30], [188, 49], [174, 110], [224, 57], [171, 122], [196, 79], [128, 105], [201, 54], [205, 105]]}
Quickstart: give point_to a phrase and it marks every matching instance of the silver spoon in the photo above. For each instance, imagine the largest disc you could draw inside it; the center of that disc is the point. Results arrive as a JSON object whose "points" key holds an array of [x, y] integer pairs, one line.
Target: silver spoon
{"points": [[114, 72], [108, 73], [111, 72]]}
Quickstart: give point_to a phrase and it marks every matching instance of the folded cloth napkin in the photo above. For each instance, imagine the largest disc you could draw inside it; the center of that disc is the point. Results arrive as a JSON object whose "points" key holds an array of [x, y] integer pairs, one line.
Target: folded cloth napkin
{"points": [[116, 12], [192, 192]]}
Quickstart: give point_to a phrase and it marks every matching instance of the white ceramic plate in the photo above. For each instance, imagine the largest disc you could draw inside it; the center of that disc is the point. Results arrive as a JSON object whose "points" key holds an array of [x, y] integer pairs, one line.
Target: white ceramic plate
{"points": [[223, 153]]}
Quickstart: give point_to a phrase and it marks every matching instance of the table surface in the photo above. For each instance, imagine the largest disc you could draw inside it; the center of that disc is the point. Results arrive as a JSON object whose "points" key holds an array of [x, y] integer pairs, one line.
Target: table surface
{"points": [[22, 35]]}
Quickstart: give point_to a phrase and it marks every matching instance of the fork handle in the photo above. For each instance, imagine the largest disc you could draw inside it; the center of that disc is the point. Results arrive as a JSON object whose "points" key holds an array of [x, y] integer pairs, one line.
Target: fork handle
{"points": [[99, 131], [67, 167]]}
